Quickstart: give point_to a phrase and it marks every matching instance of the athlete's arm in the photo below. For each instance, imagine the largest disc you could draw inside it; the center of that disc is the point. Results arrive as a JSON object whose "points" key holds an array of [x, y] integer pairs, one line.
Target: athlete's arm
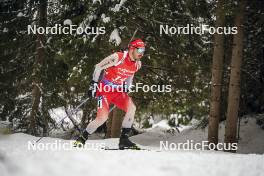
{"points": [[107, 62]]}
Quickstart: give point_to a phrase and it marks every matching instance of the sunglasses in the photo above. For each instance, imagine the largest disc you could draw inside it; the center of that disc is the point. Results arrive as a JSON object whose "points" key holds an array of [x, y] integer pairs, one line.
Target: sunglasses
{"points": [[140, 50]]}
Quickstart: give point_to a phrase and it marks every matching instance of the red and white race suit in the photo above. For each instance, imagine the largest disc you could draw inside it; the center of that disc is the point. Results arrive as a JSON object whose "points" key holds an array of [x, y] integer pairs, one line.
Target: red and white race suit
{"points": [[118, 70]]}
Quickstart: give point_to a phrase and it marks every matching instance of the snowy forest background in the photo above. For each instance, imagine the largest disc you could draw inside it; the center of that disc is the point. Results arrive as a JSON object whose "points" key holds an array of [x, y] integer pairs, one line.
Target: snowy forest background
{"points": [[45, 73]]}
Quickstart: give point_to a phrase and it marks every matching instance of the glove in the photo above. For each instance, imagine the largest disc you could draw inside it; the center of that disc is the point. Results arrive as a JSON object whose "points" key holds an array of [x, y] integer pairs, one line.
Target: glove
{"points": [[92, 88]]}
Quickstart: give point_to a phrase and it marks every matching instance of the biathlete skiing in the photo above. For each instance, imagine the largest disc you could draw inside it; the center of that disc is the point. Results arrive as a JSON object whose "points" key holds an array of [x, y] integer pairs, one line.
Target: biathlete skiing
{"points": [[116, 71]]}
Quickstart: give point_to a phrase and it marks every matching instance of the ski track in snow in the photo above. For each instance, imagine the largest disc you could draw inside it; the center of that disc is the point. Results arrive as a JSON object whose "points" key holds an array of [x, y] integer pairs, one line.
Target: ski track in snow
{"points": [[16, 159]]}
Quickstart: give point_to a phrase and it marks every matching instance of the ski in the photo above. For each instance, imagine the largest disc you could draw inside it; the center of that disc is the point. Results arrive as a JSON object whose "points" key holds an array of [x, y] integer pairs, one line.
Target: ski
{"points": [[125, 149], [138, 148]]}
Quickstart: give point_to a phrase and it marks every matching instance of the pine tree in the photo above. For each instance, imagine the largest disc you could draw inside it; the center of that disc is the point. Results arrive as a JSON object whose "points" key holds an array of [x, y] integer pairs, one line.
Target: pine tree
{"points": [[38, 66], [234, 85], [217, 72]]}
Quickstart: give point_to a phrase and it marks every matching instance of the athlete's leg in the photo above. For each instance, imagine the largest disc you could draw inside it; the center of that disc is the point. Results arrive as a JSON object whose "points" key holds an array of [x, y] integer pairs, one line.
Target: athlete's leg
{"points": [[124, 102], [102, 114]]}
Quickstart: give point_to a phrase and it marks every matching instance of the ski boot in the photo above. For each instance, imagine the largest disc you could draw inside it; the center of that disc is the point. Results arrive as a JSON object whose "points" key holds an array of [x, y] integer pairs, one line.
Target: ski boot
{"points": [[80, 142], [124, 142]]}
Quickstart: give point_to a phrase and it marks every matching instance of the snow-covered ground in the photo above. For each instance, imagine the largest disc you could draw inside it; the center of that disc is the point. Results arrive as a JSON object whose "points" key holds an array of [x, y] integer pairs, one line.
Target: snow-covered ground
{"points": [[251, 135], [17, 159]]}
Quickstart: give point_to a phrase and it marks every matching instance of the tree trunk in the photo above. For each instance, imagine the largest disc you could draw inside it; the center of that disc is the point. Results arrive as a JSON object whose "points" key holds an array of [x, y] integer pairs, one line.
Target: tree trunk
{"points": [[217, 71], [234, 84], [36, 75], [109, 125], [116, 123]]}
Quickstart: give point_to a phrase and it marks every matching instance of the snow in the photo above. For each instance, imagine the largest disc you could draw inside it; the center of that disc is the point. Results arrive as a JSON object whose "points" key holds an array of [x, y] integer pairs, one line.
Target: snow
{"points": [[4, 124], [151, 120], [20, 14], [118, 6], [23, 96], [94, 1], [72, 89], [17, 159], [49, 39], [5, 30], [162, 125], [115, 38], [59, 113], [105, 19], [67, 22], [94, 38], [251, 135]]}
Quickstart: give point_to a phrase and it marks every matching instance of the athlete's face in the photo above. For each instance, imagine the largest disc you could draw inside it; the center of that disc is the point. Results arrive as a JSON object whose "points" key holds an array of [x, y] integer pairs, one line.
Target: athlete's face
{"points": [[137, 53]]}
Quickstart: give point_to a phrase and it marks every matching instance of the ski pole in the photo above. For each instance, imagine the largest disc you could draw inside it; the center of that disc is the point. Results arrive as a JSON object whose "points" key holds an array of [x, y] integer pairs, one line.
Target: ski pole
{"points": [[133, 36], [67, 115]]}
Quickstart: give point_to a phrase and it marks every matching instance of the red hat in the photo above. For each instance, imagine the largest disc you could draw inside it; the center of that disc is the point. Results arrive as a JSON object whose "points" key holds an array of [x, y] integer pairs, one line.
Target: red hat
{"points": [[138, 43]]}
